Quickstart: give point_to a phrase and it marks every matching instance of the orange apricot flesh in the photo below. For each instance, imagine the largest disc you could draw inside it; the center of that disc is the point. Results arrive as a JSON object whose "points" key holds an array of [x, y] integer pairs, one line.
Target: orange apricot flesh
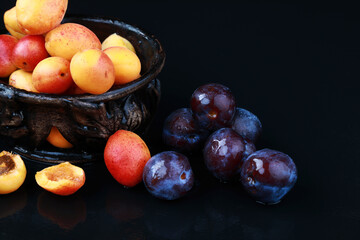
{"points": [[62, 179], [12, 172]]}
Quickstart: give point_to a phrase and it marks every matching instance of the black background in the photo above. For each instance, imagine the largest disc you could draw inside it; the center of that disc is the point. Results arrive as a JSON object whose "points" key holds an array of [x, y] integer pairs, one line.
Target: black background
{"points": [[295, 65]]}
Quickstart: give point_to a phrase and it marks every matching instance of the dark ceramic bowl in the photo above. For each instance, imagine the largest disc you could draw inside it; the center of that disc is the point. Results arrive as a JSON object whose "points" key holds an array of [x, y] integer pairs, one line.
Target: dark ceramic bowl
{"points": [[85, 120]]}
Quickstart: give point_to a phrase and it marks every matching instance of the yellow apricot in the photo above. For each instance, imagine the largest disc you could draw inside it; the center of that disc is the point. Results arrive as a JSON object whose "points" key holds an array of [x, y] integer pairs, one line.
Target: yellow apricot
{"points": [[70, 38], [22, 80], [12, 172], [115, 40], [37, 17], [11, 23], [56, 139], [127, 64], [92, 71]]}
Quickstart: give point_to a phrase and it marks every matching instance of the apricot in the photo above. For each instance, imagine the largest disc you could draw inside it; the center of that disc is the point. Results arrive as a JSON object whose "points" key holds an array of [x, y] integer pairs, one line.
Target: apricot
{"points": [[92, 71], [126, 63], [115, 40], [70, 38], [28, 52], [62, 179], [12, 172], [56, 139], [22, 80], [125, 156], [7, 44], [52, 75], [37, 17], [12, 25]]}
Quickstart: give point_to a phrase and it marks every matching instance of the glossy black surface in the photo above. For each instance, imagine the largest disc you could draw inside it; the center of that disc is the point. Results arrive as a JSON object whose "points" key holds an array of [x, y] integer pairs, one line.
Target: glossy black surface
{"points": [[294, 65]]}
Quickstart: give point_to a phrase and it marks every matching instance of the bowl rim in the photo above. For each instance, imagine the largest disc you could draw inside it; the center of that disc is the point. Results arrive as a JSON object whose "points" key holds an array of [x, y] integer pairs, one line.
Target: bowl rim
{"points": [[155, 68]]}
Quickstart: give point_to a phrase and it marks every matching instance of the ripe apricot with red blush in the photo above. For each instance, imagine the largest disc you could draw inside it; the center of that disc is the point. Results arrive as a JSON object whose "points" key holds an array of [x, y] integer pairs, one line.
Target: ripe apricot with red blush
{"points": [[125, 156], [61, 179]]}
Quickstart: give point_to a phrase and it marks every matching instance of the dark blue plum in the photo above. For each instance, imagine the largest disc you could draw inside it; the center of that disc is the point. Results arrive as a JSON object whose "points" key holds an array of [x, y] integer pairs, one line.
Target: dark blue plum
{"points": [[246, 124], [223, 153], [182, 133], [168, 175], [268, 175], [213, 106]]}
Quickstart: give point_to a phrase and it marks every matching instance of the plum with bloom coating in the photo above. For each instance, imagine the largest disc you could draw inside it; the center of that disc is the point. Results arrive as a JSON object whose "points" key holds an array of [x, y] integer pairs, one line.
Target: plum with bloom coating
{"points": [[168, 175], [246, 124], [268, 175], [213, 106], [181, 132]]}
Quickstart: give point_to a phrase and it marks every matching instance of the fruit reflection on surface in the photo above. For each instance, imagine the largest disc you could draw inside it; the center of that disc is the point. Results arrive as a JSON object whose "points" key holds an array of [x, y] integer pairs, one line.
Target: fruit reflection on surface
{"points": [[213, 106], [65, 212], [29, 51], [125, 156], [168, 175], [181, 132], [62, 179], [223, 153], [267, 175], [7, 44], [246, 124], [12, 203], [57, 139], [12, 172]]}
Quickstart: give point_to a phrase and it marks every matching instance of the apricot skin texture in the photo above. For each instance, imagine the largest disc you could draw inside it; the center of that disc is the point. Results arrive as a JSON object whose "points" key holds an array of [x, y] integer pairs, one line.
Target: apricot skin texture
{"points": [[125, 156], [7, 44], [115, 40], [12, 172], [56, 139], [127, 65], [63, 179], [69, 38], [11, 23], [92, 71], [22, 80], [37, 17]]}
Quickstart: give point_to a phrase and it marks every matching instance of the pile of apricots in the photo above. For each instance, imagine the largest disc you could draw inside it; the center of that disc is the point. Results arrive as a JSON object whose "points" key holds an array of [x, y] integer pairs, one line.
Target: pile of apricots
{"points": [[43, 55]]}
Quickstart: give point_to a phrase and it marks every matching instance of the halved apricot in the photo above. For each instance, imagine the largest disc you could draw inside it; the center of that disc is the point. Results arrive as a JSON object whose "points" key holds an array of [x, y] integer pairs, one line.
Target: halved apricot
{"points": [[61, 179], [12, 172]]}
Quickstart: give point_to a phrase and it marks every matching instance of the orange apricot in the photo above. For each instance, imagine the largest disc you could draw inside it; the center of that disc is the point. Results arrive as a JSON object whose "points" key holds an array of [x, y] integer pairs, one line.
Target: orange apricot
{"points": [[92, 71], [125, 156], [12, 25], [12, 172], [56, 139], [126, 63], [22, 80], [62, 179], [115, 40]]}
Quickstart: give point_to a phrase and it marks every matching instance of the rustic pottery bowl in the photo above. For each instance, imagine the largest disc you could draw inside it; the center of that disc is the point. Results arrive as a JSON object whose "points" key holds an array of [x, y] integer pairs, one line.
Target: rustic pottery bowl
{"points": [[84, 120]]}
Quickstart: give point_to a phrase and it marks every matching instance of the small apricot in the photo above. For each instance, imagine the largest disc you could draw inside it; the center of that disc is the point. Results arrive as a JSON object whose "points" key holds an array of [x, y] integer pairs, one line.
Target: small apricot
{"points": [[126, 63], [62, 179], [52, 75], [7, 45], [22, 80], [56, 139], [12, 172], [125, 156], [115, 40], [92, 71], [12, 25]]}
